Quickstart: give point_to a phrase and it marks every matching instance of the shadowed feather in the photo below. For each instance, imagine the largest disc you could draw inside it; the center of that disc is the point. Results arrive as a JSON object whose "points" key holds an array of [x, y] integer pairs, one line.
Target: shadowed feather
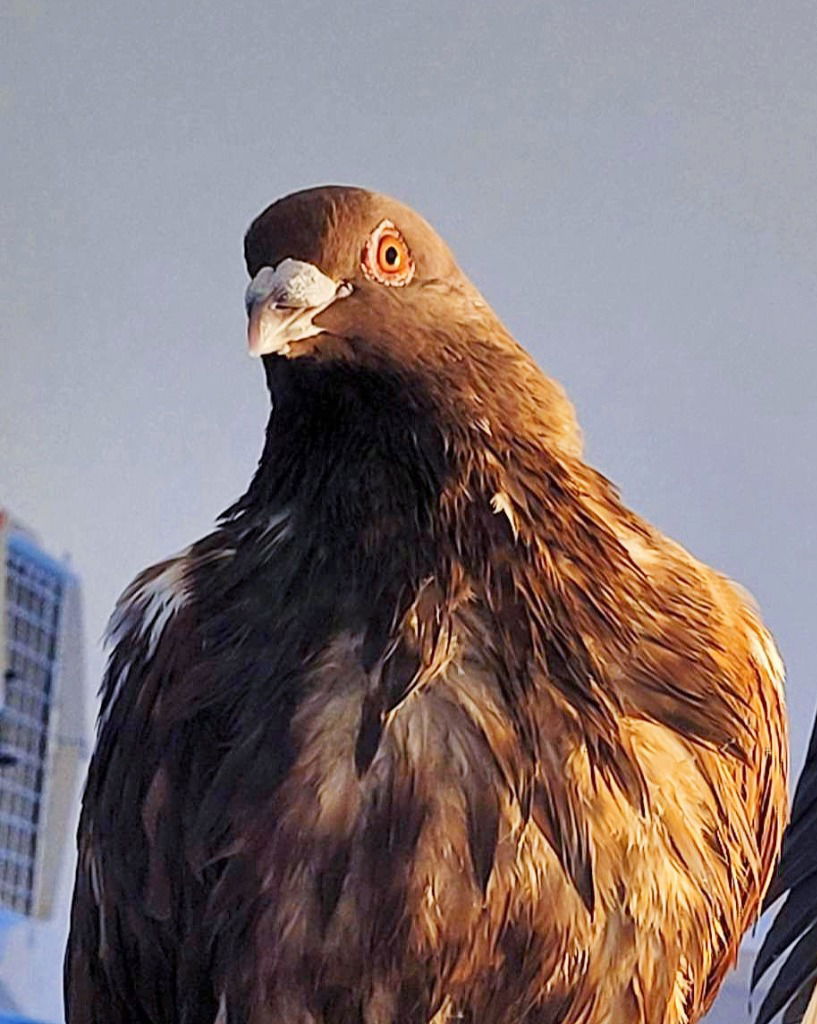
{"points": [[796, 919]]}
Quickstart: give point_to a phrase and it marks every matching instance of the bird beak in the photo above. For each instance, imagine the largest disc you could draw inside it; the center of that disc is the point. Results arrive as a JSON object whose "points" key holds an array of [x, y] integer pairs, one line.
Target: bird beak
{"points": [[282, 303]]}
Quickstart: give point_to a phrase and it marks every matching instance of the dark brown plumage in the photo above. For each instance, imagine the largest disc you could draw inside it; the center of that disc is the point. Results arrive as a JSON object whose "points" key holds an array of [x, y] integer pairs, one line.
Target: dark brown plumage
{"points": [[794, 929], [431, 727]]}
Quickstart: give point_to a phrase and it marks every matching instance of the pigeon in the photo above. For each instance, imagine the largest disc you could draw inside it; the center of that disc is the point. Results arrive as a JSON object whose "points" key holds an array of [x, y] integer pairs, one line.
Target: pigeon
{"points": [[431, 727]]}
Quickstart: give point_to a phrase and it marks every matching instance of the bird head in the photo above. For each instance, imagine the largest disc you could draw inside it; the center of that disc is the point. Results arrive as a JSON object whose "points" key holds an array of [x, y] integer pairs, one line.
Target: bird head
{"points": [[342, 265], [344, 275]]}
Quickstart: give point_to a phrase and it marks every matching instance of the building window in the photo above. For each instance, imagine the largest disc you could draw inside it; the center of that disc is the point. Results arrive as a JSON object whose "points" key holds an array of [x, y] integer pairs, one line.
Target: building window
{"points": [[33, 597]]}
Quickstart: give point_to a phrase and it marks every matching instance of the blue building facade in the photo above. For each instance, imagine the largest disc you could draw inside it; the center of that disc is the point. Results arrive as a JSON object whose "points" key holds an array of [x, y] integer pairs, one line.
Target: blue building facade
{"points": [[42, 750], [35, 588]]}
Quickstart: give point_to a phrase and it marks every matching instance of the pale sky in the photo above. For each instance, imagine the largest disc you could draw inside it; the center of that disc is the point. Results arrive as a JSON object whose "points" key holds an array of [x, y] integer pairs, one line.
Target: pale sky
{"points": [[632, 186]]}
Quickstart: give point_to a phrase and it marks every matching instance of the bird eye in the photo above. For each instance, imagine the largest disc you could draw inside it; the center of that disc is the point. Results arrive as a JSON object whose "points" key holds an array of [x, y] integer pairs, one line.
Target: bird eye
{"points": [[386, 257]]}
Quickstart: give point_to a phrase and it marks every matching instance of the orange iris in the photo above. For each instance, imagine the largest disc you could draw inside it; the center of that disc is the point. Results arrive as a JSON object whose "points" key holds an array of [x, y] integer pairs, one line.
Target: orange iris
{"points": [[387, 258]]}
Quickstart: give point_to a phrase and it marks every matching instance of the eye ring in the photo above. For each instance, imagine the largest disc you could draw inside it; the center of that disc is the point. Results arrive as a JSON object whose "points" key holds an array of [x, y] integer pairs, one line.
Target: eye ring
{"points": [[386, 256]]}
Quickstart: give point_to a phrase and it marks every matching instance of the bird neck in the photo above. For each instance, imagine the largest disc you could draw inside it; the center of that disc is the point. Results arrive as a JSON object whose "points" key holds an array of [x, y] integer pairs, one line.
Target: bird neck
{"points": [[378, 455], [354, 457], [370, 494]]}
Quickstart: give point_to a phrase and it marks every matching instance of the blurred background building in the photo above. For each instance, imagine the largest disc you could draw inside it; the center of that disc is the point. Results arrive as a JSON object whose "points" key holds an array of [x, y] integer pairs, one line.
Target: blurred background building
{"points": [[42, 752]]}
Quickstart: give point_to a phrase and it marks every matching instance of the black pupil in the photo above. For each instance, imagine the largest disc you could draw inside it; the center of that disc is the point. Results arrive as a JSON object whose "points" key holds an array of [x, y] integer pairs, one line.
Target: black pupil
{"points": [[391, 255]]}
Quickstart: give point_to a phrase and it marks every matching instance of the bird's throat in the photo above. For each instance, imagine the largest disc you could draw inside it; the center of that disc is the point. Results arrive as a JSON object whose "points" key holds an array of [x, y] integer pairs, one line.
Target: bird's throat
{"points": [[352, 454]]}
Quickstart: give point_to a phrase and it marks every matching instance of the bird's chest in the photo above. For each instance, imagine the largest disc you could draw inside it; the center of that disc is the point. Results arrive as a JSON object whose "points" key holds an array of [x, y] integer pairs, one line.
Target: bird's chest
{"points": [[467, 836]]}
